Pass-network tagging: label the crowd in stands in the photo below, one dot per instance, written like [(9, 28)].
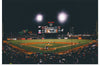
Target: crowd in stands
[(86, 55), (46, 36)]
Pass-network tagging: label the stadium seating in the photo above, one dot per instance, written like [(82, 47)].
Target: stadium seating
[(87, 55)]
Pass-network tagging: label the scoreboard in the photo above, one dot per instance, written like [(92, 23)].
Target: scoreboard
[(46, 29), (50, 29)]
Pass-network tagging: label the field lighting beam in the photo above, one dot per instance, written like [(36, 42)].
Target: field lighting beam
[(39, 18), (62, 17)]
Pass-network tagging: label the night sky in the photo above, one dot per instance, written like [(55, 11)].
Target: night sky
[(20, 14)]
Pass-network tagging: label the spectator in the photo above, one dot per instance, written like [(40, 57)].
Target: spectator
[(87, 55)]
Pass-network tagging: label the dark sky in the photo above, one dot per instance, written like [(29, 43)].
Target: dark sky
[(19, 14)]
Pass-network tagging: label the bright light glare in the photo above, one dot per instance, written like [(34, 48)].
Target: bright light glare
[(62, 17), (39, 17)]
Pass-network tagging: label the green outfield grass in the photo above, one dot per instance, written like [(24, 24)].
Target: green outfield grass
[(27, 48)]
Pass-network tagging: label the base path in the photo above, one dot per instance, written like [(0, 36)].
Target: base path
[(63, 46)]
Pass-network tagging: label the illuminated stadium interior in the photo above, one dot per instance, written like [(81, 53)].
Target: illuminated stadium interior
[(50, 32)]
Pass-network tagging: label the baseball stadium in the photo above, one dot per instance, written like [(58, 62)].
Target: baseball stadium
[(36, 35)]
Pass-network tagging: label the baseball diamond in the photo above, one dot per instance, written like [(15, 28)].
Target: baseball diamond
[(54, 45)]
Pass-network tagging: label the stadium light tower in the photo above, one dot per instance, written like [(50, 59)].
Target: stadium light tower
[(62, 17), (39, 18)]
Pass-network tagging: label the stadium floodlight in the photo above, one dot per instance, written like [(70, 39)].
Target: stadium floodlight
[(39, 18), (62, 17)]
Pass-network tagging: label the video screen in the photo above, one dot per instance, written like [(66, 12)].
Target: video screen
[(46, 29)]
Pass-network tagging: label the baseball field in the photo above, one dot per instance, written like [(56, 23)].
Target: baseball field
[(54, 45)]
